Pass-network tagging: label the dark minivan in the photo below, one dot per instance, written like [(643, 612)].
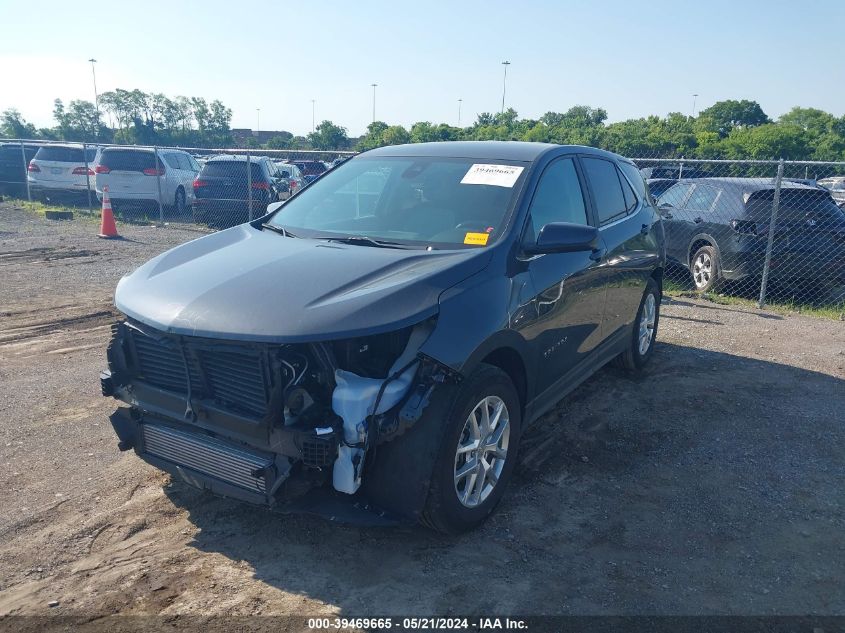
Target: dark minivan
[(223, 189), (718, 228), (373, 348)]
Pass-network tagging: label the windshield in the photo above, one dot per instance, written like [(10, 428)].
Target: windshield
[(417, 201)]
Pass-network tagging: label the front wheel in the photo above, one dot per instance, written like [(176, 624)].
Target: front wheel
[(644, 332), (477, 454)]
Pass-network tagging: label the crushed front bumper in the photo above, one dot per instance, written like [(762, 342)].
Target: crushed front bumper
[(230, 470)]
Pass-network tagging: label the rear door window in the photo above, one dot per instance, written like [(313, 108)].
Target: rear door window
[(128, 160), (635, 176), (185, 162), (675, 195), (607, 189), (703, 198), (628, 192), (171, 160)]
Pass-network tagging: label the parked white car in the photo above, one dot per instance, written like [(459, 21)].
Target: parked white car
[(134, 177), (60, 171)]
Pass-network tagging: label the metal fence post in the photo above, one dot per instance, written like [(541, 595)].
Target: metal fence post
[(87, 177), (249, 183), (158, 186), (772, 229), (26, 173)]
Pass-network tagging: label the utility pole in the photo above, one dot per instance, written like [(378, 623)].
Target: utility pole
[(313, 120), (460, 102), (504, 83), (96, 96), (374, 101), (257, 122)]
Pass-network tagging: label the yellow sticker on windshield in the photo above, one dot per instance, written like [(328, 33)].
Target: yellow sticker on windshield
[(476, 238)]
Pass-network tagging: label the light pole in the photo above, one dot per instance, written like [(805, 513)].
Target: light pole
[(460, 102), (504, 83), (313, 120), (694, 97), (257, 122), (374, 101), (94, 74)]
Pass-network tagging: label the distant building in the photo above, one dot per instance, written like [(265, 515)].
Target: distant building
[(240, 135)]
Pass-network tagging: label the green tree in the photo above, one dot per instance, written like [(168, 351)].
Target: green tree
[(769, 141), (80, 121), (13, 125), (328, 136), (727, 115), (374, 136), (281, 141), (395, 135)]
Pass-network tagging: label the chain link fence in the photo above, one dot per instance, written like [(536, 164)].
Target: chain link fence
[(215, 187), (765, 230), (771, 231)]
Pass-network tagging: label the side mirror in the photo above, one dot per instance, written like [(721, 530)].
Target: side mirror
[(564, 237)]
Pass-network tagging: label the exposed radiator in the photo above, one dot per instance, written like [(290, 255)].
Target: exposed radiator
[(206, 455), (236, 379)]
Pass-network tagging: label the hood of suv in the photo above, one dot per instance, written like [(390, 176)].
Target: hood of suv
[(251, 284)]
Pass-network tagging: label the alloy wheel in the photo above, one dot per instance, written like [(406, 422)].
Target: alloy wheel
[(702, 270), (482, 450), (647, 320)]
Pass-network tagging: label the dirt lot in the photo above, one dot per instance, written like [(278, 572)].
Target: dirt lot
[(713, 483)]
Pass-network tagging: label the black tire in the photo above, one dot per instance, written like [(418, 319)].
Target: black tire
[(705, 268), (179, 205), (633, 358), (444, 511)]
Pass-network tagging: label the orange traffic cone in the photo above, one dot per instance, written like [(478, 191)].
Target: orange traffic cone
[(108, 230)]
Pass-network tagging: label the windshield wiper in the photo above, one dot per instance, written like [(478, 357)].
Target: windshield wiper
[(278, 229), (363, 240)]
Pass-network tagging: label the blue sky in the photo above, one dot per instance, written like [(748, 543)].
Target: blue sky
[(631, 58)]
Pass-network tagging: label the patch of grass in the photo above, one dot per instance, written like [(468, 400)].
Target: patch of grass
[(39, 208), (834, 311)]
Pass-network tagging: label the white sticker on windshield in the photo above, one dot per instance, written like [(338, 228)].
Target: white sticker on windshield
[(498, 175)]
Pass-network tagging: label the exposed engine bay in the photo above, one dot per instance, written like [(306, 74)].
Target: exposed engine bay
[(266, 423)]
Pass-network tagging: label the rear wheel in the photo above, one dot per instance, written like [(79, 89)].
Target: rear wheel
[(645, 330), (179, 202), (477, 454), (704, 267)]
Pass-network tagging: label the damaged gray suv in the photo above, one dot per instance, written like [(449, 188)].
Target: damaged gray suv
[(372, 349)]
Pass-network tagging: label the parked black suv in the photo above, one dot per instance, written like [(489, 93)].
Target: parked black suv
[(718, 228), (13, 164), (222, 189), (376, 344)]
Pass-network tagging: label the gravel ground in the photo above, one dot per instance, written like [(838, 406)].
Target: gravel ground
[(709, 484)]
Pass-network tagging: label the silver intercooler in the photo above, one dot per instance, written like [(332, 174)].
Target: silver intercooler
[(207, 455)]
